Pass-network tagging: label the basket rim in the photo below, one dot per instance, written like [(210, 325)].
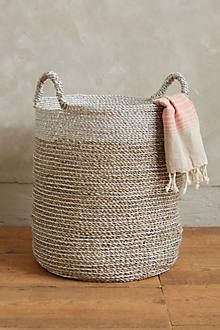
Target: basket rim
[(97, 101)]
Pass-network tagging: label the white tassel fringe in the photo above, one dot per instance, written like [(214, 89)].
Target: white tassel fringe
[(195, 176)]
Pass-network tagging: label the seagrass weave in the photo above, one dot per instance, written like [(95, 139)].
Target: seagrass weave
[(100, 210)]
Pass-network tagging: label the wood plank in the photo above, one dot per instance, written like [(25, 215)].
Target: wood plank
[(198, 262), (69, 328), (190, 277), (15, 240), (83, 307), (200, 236), (22, 269), (193, 304), (196, 327)]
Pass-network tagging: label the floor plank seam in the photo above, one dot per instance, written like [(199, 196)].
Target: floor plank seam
[(167, 310)]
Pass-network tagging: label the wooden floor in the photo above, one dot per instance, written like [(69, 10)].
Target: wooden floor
[(186, 297)]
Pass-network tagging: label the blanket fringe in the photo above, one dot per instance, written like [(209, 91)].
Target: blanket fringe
[(195, 176)]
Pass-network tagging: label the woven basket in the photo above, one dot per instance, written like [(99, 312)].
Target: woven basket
[(100, 210)]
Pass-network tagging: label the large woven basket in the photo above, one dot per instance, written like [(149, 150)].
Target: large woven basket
[(100, 210)]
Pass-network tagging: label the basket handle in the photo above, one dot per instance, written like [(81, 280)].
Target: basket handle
[(168, 81), (54, 78)]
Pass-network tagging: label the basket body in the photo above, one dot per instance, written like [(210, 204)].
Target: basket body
[(100, 210)]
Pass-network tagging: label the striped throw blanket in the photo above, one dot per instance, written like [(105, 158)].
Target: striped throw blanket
[(183, 144)]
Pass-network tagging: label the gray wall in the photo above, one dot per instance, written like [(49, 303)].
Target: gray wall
[(105, 46)]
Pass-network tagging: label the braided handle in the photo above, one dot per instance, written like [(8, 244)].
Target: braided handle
[(52, 76), (169, 80), (64, 105)]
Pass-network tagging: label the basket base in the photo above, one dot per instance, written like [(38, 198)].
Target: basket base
[(104, 278)]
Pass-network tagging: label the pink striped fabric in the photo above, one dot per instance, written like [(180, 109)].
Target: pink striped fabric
[(182, 141), (179, 113)]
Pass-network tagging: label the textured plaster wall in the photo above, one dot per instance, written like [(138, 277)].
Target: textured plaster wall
[(104, 46)]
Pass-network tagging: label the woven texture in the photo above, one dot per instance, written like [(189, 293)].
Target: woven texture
[(100, 210)]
